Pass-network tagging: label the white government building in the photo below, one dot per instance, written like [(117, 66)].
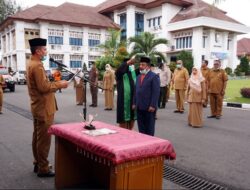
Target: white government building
[(73, 31)]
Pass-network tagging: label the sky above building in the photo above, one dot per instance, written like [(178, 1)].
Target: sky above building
[(239, 10)]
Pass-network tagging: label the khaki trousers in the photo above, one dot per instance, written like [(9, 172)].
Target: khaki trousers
[(180, 98), (216, 103), (80, 95), (94, 91), (1, 98), (41, 143)]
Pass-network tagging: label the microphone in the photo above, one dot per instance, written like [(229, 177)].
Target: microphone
[(56, 62)]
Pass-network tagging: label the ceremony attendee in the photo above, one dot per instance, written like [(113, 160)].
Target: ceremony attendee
[(43, 105), (108, 85), (196, 95), (217, 83), (1, 92), (125, 81), (93, 78), (79, 87), (179, 83), (165, 75), (168, 89), (205, 70), (57, 77), (146, 97)]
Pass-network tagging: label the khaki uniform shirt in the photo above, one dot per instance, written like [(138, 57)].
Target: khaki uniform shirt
[(216, 80), (180, 78), (41, 90), (205, 72)]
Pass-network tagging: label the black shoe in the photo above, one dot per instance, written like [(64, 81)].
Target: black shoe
[(48, 174), (94, 106), (181, 111), (217, 117), (211, 116), (1, 112), (35, 170), (91, 105), (176, 111)]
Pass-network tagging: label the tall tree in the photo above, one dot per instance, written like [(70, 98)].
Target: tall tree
[(146, 44), (7, 8)]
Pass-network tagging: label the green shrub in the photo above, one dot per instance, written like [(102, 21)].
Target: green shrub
[(228, 70), (187, 58)]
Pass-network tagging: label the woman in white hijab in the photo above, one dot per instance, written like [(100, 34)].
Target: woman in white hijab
[(196, 95), (108, 85)]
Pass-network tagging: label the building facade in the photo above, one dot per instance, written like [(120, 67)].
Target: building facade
[(191, 25)]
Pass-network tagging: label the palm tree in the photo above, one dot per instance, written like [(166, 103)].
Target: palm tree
[(112, 44), (146, 44)]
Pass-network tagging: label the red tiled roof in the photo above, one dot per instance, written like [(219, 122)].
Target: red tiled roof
[(79, 15), (67, 13), (201, 9), (33, 12), (110, 5), (243, 47)]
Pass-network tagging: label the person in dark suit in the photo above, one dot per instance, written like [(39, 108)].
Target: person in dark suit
[(146, 97)]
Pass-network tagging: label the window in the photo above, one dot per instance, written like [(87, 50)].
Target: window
[(76, 61), (217, 37), (93, 43), (123, 24), (155, 21), (75, 41), (228, 44), (159, 20), (204, 41), (139, 23), (75, 38), (56, 57), (149, 23), (183, 40), (55, 36)]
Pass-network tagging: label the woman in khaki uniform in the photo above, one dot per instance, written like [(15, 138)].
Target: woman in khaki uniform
[(196, 96), (80, 91), (1, 93), (108, 85)]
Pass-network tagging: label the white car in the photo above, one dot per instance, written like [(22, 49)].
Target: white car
[(20, 77)]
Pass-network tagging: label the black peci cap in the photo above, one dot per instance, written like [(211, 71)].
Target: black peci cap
[(145, 59), (37, 42)]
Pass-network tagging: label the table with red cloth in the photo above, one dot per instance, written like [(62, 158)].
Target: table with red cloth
[(123, 160)]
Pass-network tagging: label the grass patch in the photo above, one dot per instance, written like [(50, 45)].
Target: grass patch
[(233, 91)]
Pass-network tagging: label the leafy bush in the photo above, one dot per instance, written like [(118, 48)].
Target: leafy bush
[(172, 66), (245, 92), (244, 64), (187, 59), (238, 70), (228, 70)]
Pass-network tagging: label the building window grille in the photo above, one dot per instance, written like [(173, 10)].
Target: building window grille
[(76, 61), (55, 36)]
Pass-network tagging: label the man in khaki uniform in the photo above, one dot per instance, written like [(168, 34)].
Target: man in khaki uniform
[(43, 105), (80, 89), (93, 78), (205, 70), (179, 83), (217, 82), (1, 92)]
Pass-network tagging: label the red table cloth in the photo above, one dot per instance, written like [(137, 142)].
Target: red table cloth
[(123, 146)]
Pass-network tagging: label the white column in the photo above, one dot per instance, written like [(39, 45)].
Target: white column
[(86, 45), (116, 17), (233, 60), (130, 21), (66, 49), (211, 42), (11, 42), (197, 45), (20, 45)]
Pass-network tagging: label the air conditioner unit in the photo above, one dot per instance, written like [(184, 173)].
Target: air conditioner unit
[(155, 27), (53, 47), (172, 48)]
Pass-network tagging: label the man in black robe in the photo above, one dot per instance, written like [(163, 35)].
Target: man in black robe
[(126, 78)]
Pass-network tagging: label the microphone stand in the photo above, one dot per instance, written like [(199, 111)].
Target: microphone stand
[(85, 80)]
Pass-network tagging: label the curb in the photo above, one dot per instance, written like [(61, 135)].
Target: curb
[(236, 105)]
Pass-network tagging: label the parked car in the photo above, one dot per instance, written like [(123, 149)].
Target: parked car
[(49, 75), (20, 77), (9, 80)]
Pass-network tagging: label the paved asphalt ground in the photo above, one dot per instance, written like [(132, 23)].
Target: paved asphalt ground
[(218, 152)]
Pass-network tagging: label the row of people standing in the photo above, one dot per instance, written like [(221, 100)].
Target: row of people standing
[(202, 83)]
